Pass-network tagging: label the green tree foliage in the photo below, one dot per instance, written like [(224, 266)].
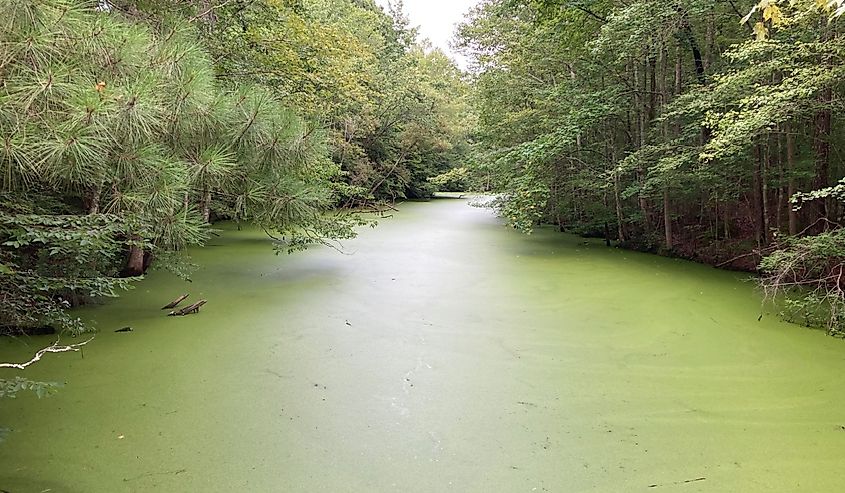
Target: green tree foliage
[(132, 125), (128, 127), (395, 111), (702, 129), (120, 143)]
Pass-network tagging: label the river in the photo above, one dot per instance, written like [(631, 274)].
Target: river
[(441, 352)]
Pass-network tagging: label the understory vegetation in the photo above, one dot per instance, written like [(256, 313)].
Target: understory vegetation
[(709, 130)]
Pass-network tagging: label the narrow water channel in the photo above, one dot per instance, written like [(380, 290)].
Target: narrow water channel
[(443, 352)]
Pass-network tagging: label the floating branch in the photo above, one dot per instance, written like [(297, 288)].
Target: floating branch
[(195, 308), (175, 302), (53, 348)]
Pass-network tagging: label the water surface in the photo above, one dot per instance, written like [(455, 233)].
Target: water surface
[(442, 353)]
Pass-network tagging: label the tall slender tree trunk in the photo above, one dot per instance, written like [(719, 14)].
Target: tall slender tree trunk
[(652, 100), (757, 197), (790, 169), (572, 78), (667, 209), (781, 189), (640, 104), (821, 148), (620, 224), (716, 218), (667, 218), (709, 37), (766, 166)]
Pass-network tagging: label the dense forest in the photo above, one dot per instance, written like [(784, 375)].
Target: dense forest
[(129, 126), (158, 151), (708, 130)]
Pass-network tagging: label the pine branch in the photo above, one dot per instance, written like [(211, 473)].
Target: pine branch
[(209, 10)]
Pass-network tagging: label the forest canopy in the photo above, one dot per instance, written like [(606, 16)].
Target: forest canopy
[(701, 129), (708, 129), (128, 127)]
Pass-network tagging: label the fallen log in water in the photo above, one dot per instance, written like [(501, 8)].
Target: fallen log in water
[(195, 308), (175, 302)]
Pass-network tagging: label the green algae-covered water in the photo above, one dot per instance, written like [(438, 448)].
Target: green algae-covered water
[(443, 353)]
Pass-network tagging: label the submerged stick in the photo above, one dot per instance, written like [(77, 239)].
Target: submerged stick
[(195, 308), (175, 302)]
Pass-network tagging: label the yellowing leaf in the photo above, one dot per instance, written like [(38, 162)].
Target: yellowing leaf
[(760, 31), (772, 13)]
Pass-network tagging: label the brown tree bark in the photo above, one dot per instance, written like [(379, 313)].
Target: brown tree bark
[(757, 197), (620, 224), (821, 150), (135, 262), (667, 209), (790, 188), (642, 112), (206, 206), (91, 201)]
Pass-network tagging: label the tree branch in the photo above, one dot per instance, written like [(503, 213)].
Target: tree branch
[(588, 12), (53, 348), (208, 10)]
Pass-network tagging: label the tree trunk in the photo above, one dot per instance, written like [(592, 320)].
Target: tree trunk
[(781, 192), (709, 36), (667, 210), (206, 206), (821, 149), (757, 197), (716, 219), (641, 105), (620, 225), (790, 165), (572, 78), (92, 201), (652, 100), (667, 218), (764, 188), (135, 263)]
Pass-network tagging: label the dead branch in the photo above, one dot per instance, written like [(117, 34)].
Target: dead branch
[(195, 308), (209, 10), (175, 303), (817, 221), (730, 261), (53, 348)]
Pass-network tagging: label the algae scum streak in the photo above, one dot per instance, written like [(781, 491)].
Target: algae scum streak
[(444, 353)]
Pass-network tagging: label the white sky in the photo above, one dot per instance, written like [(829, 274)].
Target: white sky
[(437, 20)]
